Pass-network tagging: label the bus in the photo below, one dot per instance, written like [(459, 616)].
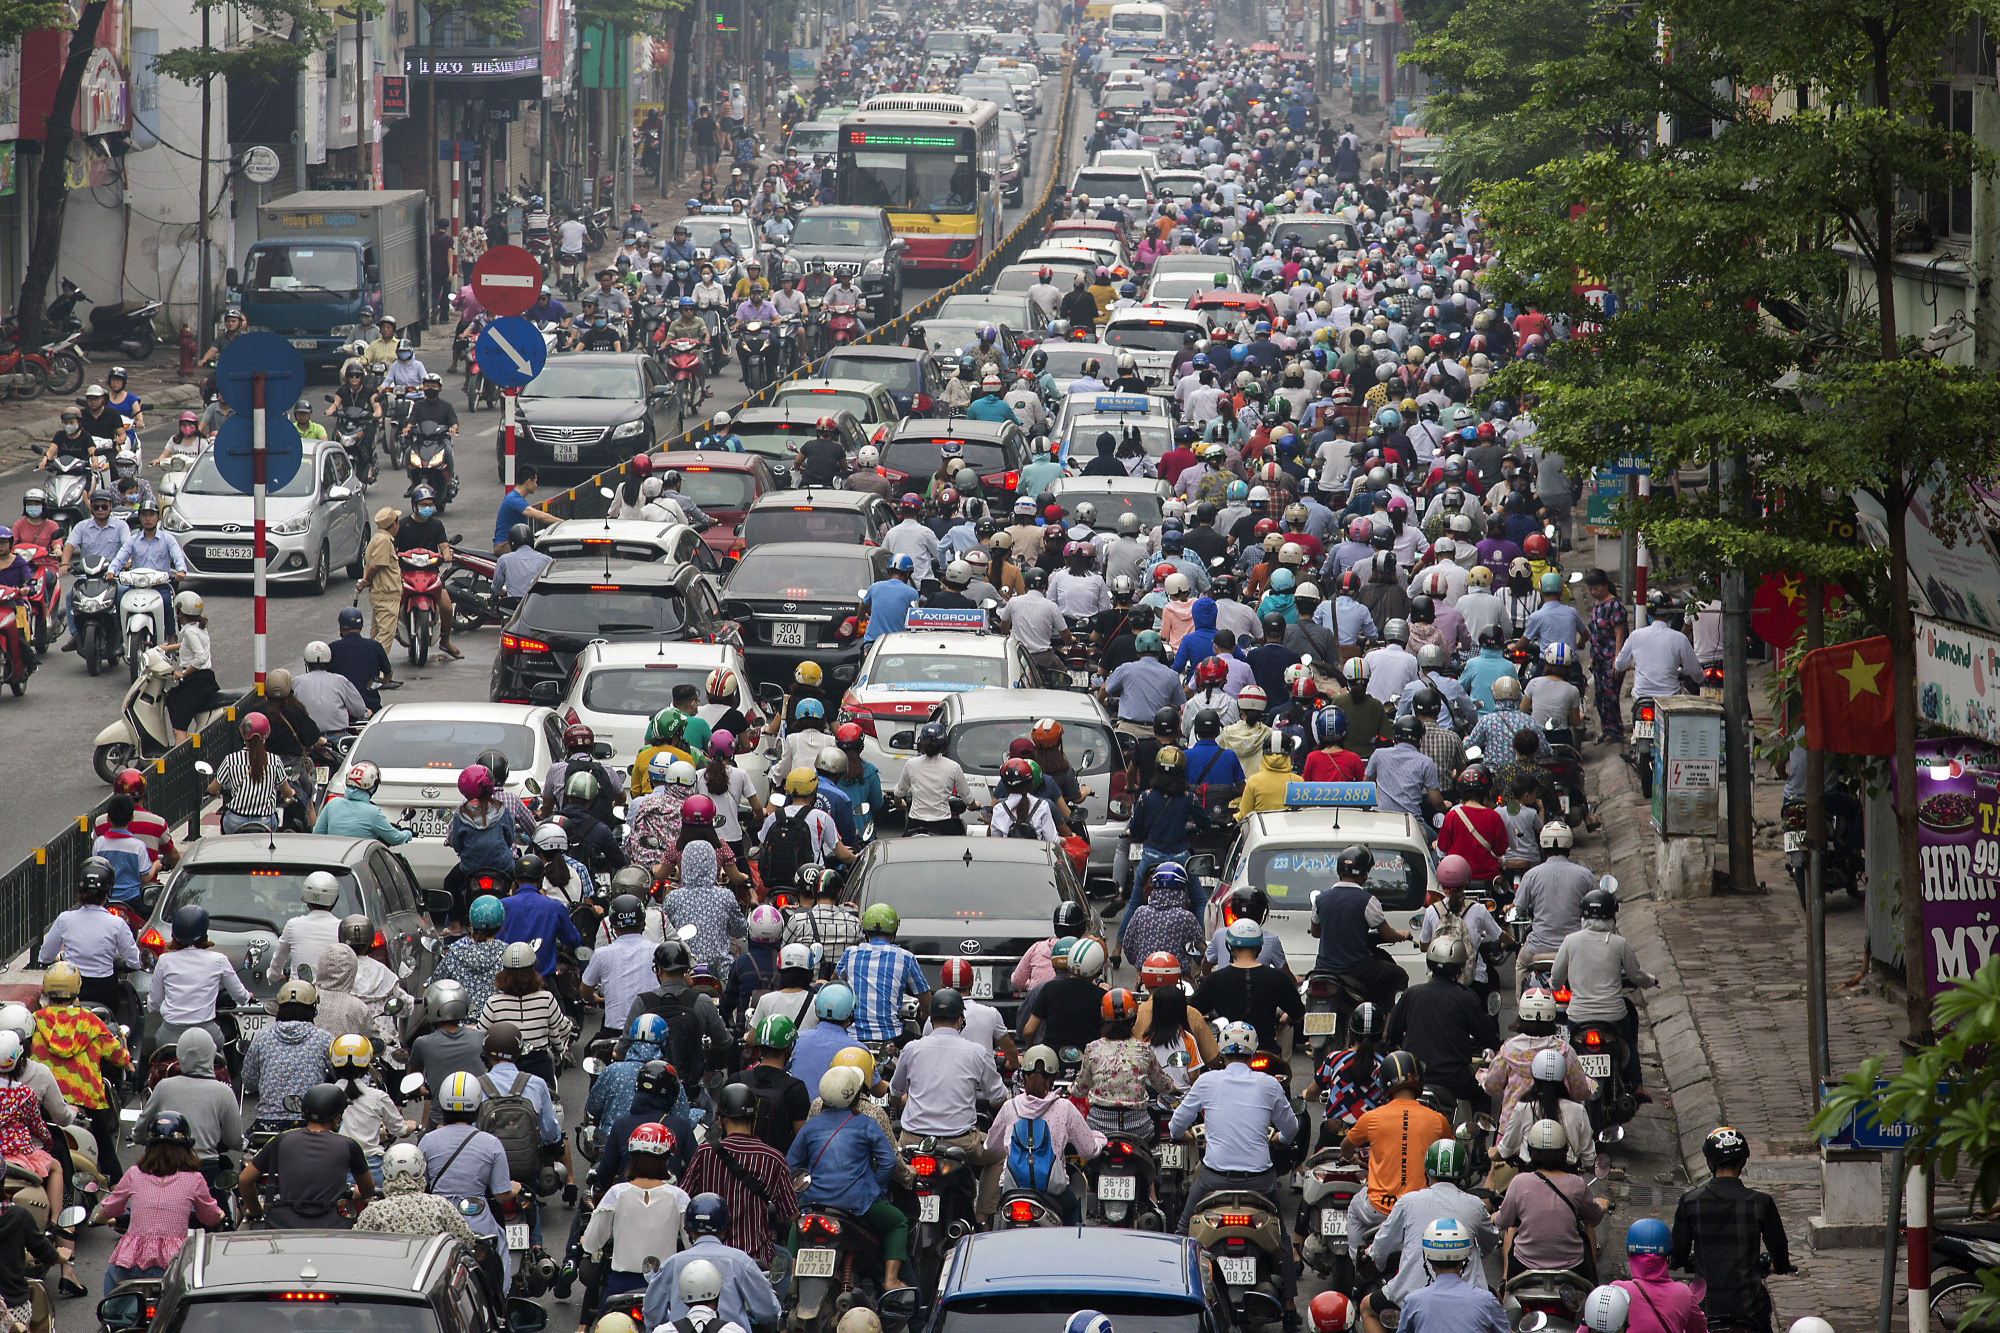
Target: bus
[(1138, 25), (933, 163)]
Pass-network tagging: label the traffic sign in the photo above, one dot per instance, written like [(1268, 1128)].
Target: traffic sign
[(507, 279), (511, 352), (1862, 1130), (247, 355), (283, 451)]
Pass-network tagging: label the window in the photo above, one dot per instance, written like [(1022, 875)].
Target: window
[(145, 88), (395, 893), (1950, 211)]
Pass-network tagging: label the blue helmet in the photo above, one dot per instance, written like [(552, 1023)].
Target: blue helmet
[(902, 564), (1170, 874), (813, 707), (486, 913), (1329, 723), (1239, 355), (1648, 1235), (648, 1028), (350, 617), (1281, 580), (835, 1002), (687, 303), (1088, 1321), (1200, 361), (1263, 327), (707, 1215)]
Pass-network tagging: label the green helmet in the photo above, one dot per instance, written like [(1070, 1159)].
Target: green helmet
[(486, 913), (581, 787), (881, 919), (1149, 641), (1059, 951), (776, 1033), (1221, 280), (1035, 768), (1446, 1159), (665, 728)]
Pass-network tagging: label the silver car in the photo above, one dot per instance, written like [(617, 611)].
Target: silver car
[(315, 522)]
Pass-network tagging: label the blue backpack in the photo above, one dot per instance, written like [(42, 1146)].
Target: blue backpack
[(1031, 1154)]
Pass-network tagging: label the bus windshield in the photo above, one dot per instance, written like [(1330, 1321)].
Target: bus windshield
[(923, 181)]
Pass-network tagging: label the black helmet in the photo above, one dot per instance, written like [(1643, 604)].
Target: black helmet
[(1208, 723), (1725, 1147), (169, 1127), (190, 924), (1427, 702), (1250, 901), (1408, 729), (736, 1102), (1071, 918), (324, 1103), (658, 1078), (671, 956), (708, 1214), (1039, 361), (1492, 637), (947, 1006), (1423, 610), (627, 913), (98, 879), (1600, 903), (1205, 512), (1475, 782), (495, 764), (1035, 577), (1354, 863), (529, 868), (1167, 718), (1399, 1069), (517, 536), (1367, 1020), (933, 733)]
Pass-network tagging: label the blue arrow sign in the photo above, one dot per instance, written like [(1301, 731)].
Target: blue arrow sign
[(283, 451), (249, 354), (511, 352)]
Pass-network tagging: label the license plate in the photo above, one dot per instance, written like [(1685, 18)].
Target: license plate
[(1238, 1272), (1332, 1222), (1322, 1024), (788, 634), (517, 1235), (320, 774), (306, 344), (1119, 1189), (1642, 731), (1564, 798), (1079, 679), (1795, 840), (814, 1263), (1173, 1157), (430, 823), (232, 553), (982, 983), (565, 453), (927, 1207), (1597, 1066), (250, 1022)]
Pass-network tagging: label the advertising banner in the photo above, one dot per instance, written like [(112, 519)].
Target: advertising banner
[(1958, 837)]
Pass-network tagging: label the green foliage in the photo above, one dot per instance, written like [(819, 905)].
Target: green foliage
[(18, 18), (306, 25), (1959, 1127)]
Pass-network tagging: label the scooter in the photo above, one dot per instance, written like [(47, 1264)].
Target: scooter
[(1330, 1186), (144, 730), (17, 658), (684, 373), (417, 620), (93, 600), (1555, 1295), (144, 612), (787, 332), (944, 1213), (473, 603), (1119, 1181), (839, 1265), (1842, 868), (753, 349), (1241, 1230), (1564, 767), (843, 324), (125, 328), (355, 426), (44, 591), (1640, 753), (426, 463), (69, 490)]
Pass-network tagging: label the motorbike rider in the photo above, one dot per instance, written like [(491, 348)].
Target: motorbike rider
[(1406, 1232), (37, 528), (1448, 1303), (849, 1159), (1068, 1130), (1470, 921), (314, 1164), (1343, 915), (101, 536), (307, 934), (1544, 1100), (1663, 1305), (1596, 964), (720, 1237), (422, 530), (843, 292), (599, 333), (687, 325), (1249, 1108), (150, 548), (465, 1161), (1397, 1134), (405, 1207), (1539, 1231), (939, 1084), (1552, 893)]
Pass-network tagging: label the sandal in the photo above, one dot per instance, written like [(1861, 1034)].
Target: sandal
[(450, 651)]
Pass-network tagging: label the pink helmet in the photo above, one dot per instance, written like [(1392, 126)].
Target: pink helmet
[(721, 745), (254, 724), (1454, 872), (698, 811), (766, 924), (475, 783)]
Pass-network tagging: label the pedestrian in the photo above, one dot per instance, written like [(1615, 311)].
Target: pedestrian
[(382, 578), (1607, 637)]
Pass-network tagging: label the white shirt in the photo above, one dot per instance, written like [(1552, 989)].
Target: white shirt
[(826, 836), (1390, 670), (303, 940), (93, 938), (640, 1224), (1658, 655), (945, 1076), (195, 654), (928, 782), (186, 983), (620, 970)]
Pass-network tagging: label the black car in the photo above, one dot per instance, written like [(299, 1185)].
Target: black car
[(997, 451), (857, 244), (575, 601), (799, 602), (985, 900), (587, 411), (908, 373)]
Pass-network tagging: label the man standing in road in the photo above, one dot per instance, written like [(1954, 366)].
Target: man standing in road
[(382, 578), (515, 507)]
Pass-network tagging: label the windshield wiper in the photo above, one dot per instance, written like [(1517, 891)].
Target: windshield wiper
[(625, 627)]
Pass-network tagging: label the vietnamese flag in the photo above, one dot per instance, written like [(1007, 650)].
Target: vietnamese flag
[(1778, 609), (1849, 698)]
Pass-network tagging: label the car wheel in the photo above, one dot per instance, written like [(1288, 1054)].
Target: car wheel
[(322, 571), (359, 564)]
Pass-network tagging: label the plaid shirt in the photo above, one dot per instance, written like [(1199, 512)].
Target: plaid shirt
[(1718, 1230), (749, 1215), (1443, 747), (1345, 1098), (826, 924), (879, 971)]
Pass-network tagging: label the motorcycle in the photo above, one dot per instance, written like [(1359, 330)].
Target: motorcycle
[(479, 391), (839, 1265), (69, 488), (1330, 1186), (25, 374), (787, 357), (1842, 869), (718, 337), (417, 618), (65, 363), (1564, 766), (427, 465), (94, 602), (125, 328), (473, 602), (44, 595), (1120, 1180), (754, 350), (144, 611), (1242, 1231), (355, 428), (945, 1187), (17, 657), (144, 730), (684, 373), (1555, 1295), (569, 276), (843, 324), (1640, 753), (1174, 1162), (1330, 999), (1960, 1248)]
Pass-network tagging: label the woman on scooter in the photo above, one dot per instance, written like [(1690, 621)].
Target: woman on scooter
[(250, 782), (1544, 1100), (482, 832), (24, 1137), (1169, 1026), (159, 1194), (1347, 1079), (1120, 1074), (195, 690)]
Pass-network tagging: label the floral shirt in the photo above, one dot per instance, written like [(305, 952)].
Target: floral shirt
[(653, 825), (1509, 1075), (1160, 928), (1120, 1073), (1606, 619), (406, 1210), (285, 1060), (22, 1129), (473, 964), (1495, 732), (71, 1041)]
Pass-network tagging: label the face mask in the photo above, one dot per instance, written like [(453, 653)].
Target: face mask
[(425, 511), (597, 323), (72, 427), (34, 511), (432, 393), (405, 356)]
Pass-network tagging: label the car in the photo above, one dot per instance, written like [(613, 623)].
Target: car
[(1159, 128), (1222, 310), (316, 521), (1139, 159), (705, 232), (1066, 358), (999, 90), (1079, 434), (1050, 49), (857, 243), (1022, 1279), (1123, 102), (574, 601), (1001, 308), (1020, 73), (1154, 336), (1103, 250), (801, 602), (816, 514), (1179, 185), (420, 748), (251, 887), (812, 138), (1312, 230), (724, 486), (985, 900), (1206, 266), (981, 724), (1068, 261), (616, 688), (873, 406), (1110, 234), (378, 1280), (906, 674), (1014, 123), (589, 411), (777, 432), (908, 373), (1013, 166), (944, 337), (1173, 291), (1290, 854), (622, 539), (1112, 497), (997, 451), (1125, 409)]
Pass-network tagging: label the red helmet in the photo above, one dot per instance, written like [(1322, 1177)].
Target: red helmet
[(1350, 581), (1160, 969), (1119, 1006), (576, 737), (1485, 431), (1045, 273), (1436, 343), (642, 463), (827, 426), (1053, 513), (848, 736), (1210, 672), (1305, 688), (1264, 527), (1017, 775), (698, 812), (956, 974), (1161, 570), (129, 782), (911, 500), (946, 497), (1046, 734), (650, 1137), (1330, 1312), (1536, 547)]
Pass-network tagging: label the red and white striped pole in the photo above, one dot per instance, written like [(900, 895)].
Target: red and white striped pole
[(1640, 559), (1917, 1225), (259, 420)]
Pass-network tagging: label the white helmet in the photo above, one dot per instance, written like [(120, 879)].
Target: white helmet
[(680, 773), (460, 1094), (318, 654), (1177, 584), (1236, 1039), (839, 1086), (364, 776), (1549, 1067), (701, 1283), (831, 761), (767, 923), (321, 890), (795, 955), (1128, 523), (18, 1019), (518, 954), (868, 456), (1086, 957), (405, 1161), (1812, 1323), (1536, 1006), (1556, 836), (12, 1052), (189, 603), (1605, 1309), (720, 421), (1548, 1136)]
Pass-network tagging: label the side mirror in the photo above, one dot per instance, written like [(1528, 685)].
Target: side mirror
[(230, 278), (412, 1084), (1416, 922), (338, 493), (592, 1066), (903, 740), (524, 1316), (601, 750), (1202, 866), (607, 492), (899, 1306), (438, 903), (545, 693), (769, 693), (125, 1310), (1609, 883), (304, 972), (371, 273), (204, 768), (73, 1217)]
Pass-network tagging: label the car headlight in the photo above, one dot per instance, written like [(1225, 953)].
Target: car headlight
[(872, 269), (294, 526), (629, 429), (343, 330), (171, 520)]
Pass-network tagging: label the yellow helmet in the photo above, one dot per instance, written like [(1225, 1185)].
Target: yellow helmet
[(807, 673), (801, 782), (854, 1057), (351, 1050), (62, 981)]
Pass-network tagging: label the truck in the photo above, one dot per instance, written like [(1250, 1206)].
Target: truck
[(324, 256)]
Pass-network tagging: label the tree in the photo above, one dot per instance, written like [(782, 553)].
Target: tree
[(51, 184)]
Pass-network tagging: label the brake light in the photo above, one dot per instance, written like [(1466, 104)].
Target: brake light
[(514, 643), (924, 1166), (1319, 987), (1020, 1210), (1235, 1220), (922, 402), (826, 1226), (848, 628), (570, 718), (487, 883), (1593, 1038), (1261, 1063), (1645, 712), (151, 941), (1562, 996), (1120, 1151), (302, 1296)]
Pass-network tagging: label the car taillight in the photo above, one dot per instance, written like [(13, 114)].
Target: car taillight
[(736, 549), (514, 643), (861, 718), (922, 403), (1020, 1211), (151, 941), (848, 628), (923, 1166)]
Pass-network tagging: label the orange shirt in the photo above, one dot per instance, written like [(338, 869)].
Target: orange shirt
[(1398, 1134)]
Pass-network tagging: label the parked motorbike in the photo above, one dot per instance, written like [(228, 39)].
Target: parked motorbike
[(125, 328), (144, 612), (1960, 1248), (24, 374), (1842, 867), (65, 363), (426, 465), (1640, 753), (417, 618)]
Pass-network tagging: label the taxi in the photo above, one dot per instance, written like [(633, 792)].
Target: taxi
[(1221, 310), (1118, 409), (1154, 335), (908, 673)]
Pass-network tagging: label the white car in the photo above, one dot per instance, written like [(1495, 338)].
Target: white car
[(617, 688), (421, 748), (1113, 496), (1079, 434), (1126, 408), (624, 539), (1153, 335), (909, 672), (1172, 291)]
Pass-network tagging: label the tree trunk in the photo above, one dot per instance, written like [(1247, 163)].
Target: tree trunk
[(673, 130), (50, 184), (1903, 658)]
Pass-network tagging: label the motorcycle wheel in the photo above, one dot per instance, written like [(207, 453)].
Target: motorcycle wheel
[(87, 649), (471, 394), (135, 648), (1645, 770), (1950, 1298), (19, 687), (147, 340), (37, 382), (420, 638), (42, 632), (65, 373)]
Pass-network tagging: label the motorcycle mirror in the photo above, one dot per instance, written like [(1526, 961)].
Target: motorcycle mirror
[(393, 1005), (607, 492), (204, 768), (305, 972), (469, 1207), (583, 953), (412, 1084), (592, 1066), (898, 1306), (686, 934), (1609, 883), (72, 1217)]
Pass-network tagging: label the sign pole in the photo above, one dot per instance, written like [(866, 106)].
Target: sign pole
[(1917, 1223), (259, 417), (507, 397)]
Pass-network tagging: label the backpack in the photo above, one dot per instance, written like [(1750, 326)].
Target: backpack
[(511, 1118), (1023, 817), (1031, 1154), (683, 1048), (788, 847), (770, 1118)]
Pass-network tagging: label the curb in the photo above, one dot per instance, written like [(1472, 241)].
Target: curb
[(33, 437)]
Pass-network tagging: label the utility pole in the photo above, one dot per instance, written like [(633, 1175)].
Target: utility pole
[(363, 131), (1736, 693), (204, 311), (1816, 870)]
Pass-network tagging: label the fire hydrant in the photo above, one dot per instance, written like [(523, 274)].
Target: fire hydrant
[(188, 350)]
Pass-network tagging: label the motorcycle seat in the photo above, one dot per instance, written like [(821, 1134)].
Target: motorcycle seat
[(1556, 1279), (117, 311)]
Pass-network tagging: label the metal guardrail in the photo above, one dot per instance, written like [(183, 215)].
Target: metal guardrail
[(43, 884), (586, 502)]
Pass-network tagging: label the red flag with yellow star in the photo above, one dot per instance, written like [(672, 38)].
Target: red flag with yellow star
[(1778, 609), (1849, 704)]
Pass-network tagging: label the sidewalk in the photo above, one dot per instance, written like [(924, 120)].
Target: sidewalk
[(27, 427)]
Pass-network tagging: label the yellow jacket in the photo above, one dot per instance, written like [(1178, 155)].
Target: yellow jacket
[(1265, 789), (642, 781)]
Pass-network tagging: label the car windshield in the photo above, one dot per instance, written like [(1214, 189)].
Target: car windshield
[(830, 401), (963, 891), (639, 691), (1099, 181), (1016, 279), (715, 489), (1291, 875), (1110, 504), (205, 478), (947, 41), (259, 897), (1150, 336), (443, 743), (1049, 41), (813, 139), (950, 335), (1124, 97), (1030, 1313), (1179, 187), (270, 1312), (1066, 358), (803, 524), (588, 379), (898, 374), (304, 273), (1180, 286), (1312, 235), (840, 230), (1160, 127), (832, 576), (1155, 437), (920, 457), (985, 308), (602, 610), (922, 669), (774, 439), (981, 747)]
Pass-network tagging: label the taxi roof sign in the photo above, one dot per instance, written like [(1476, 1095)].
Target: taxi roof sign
[(1330, 795), (1122, 402), (942, 618)]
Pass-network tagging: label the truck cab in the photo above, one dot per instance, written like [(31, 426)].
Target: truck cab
[(322, 257)]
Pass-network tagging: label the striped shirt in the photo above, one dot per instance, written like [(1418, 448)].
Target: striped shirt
[(244, 796), (542, 1023), (880, 972), (749, 1227)]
